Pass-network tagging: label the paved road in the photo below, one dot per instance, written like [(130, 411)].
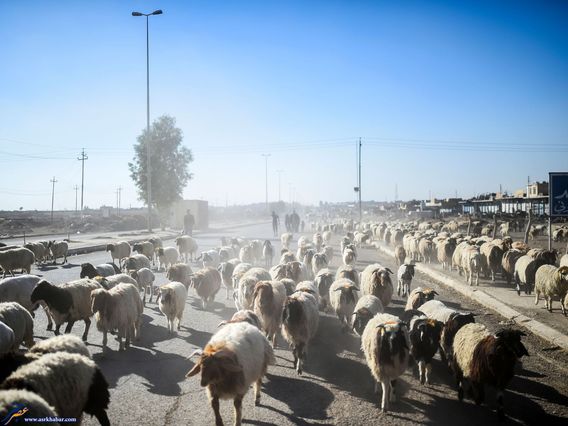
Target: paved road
[(149, 386)]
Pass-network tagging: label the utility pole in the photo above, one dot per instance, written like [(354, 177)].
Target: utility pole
[(359, 185), (266, 176), (279, 187), (119, 198), (76, 188), (82, 159), (52, 196)]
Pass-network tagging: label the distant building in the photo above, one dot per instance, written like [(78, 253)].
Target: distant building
[(537, 189), (199, 210)]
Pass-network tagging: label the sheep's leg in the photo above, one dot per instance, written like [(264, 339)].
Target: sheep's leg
[(300, 350), (69, 327), (179, 321), (536, 297), (428, 372), (421, 371), (105, 340), (48, 315), (120, 336), (500, 410), (57, 327), (398, 288), (215, 406), (460, 390), (257, 386), (238, 402), (563, 306), (385, 401), (87, 326)]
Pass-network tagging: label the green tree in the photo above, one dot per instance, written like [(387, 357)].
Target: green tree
[(169, 164)]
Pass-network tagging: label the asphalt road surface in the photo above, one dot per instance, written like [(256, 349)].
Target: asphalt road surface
[(148, 384)]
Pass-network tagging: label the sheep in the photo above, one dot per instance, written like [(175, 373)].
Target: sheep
[(375, 280), (19, 289), (267, 253), (349, 272), (345, 241), (119, 250), (146, 248), (103, 270), (343, 298), (68, 302), (256, 247), (326, 236), (64, 343), (309, 287), (18, 318), (300, 318), (437, 310), (7, 339), (525, 271), (23, 400), (323, 281), (156, 242), (551, 282), (246, 255), (226, 270), (424, 335), (40, 251), (286, 239), (564, 260), (328, 251), (419, 296), (510, 258), (317, 241), (399, 255), (136, 262), (446, 250), (16, 258), (319, 261), (172, 303), (209, 258), (58, 249), (471, 263), (180, 272), (187, 247), (290, 286), (71, 383), (145, 281), (268, 301), (386, 346), (238, 272), (112, 280), (485, 359), (244, 315), (366, 308), (492, 255), (237, 356), (207, 282), (404, 276), (349, 256), (287, 256), (426, 249)]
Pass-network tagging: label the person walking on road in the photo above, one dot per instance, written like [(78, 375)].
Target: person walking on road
[(188, 222), (275, 223)]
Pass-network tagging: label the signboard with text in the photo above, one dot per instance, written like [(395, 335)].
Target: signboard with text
[(558, 194)]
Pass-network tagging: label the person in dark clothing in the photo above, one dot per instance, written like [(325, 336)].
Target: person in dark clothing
[(287, 222), (188, 222), (275, 223)]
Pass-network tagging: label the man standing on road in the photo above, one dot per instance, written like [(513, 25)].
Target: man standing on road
[(275, 223), (188, 222)]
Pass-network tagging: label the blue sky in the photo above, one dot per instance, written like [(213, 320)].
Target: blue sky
[(447, 96)]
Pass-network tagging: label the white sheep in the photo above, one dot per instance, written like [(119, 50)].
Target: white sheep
[(404, 277), (64, 343), (418, 297), (349, 272), (309, 287), (145, 279), (564, 260), (375, 280), (16, 317), (19, 289), (386, 346), (119, 308), (238, 272), (268, 302), (58, 249), (286, 239), (113, 280), (246, 284), (366, 308), (146, 248), (246, 255), (71, 383), (300, 318), (323, 281), (210, 258), (552, 283), (343, 298), (7, 339), (244, 315), (119, 250), (136, 262), (238, 347), (16, 258), (172, 303), (349, 256), (180, 272), (207, 283), (187, 247), (68, 302), (437, 310), (319, 261)]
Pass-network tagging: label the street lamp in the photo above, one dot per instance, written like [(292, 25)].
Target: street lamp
[(148, 163)]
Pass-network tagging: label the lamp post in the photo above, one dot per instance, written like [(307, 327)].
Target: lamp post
[(148, 163)]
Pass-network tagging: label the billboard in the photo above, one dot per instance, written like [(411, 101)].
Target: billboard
[(558, 194)]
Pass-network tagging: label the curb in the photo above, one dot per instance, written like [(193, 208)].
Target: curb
[(542, 330)]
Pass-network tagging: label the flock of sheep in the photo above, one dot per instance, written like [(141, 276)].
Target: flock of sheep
[(284, 299)]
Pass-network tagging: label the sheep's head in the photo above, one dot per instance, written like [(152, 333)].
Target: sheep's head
[(382, 276), (348, 293), (293, 270), (512, 341), (42, 290), (429, 331), (109, 247), (88, 270), (99, 300), (360, 320), (320, 259), (392, 341), (160, 251), (216, 365), (429, 294), (562, 273)]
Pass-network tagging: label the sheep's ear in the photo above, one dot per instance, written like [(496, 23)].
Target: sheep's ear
[(228, 361), (388, 270), (195, 370)]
